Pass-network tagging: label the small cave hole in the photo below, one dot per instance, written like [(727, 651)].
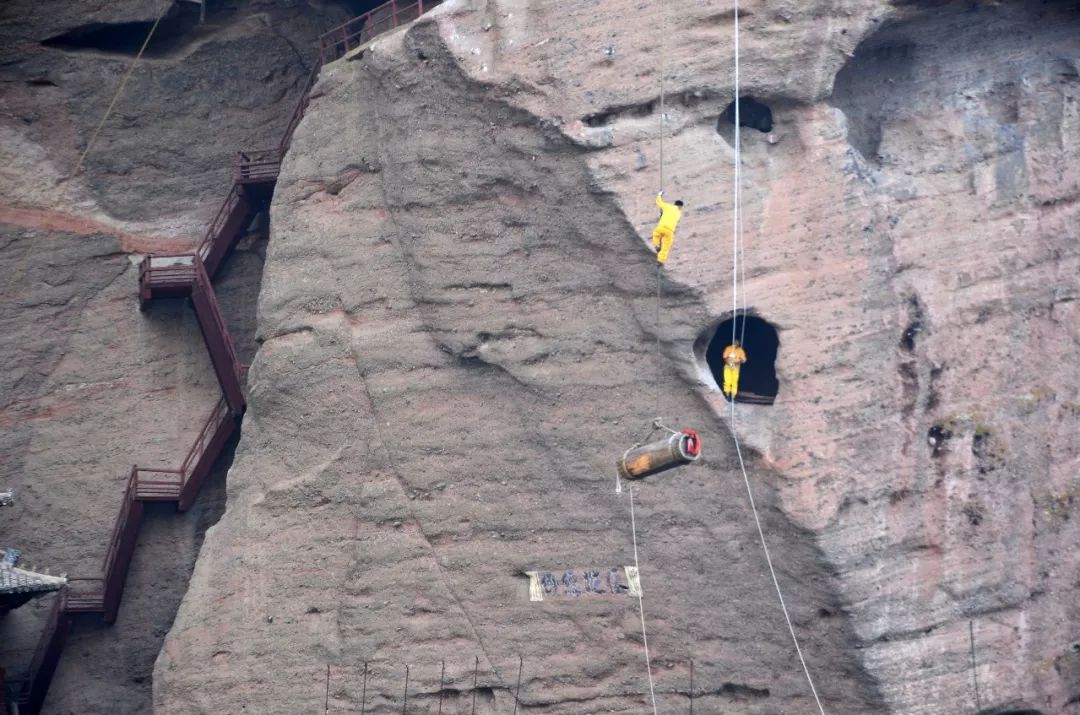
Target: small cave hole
[(907, 340), (758, 384), (937, 436), (752, 113)]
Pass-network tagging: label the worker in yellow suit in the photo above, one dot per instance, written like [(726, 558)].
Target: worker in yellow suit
[(664, 233), (734, 357)]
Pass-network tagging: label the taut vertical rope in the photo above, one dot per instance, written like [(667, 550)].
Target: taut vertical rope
[(641, 604), (663, 119), (974, 675), (735, 213), (736, 245)]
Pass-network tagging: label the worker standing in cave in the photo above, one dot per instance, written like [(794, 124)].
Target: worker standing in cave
[(664, 233), (734, 357)]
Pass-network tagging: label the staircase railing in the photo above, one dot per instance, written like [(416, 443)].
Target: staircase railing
[(362, 29), (299, 109), (121, 546), (254, 166), (119, 527), (151, 483), (46, 656), (219, 221), (167, 269), (176, 273), (219, 414), (202, 282)]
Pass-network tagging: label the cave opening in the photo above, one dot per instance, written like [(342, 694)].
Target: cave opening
[(900, 87), (354, 8), (752, 113), (126, 38), (758, 384)]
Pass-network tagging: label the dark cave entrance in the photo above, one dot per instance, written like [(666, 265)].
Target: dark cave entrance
[(126, 38), (354, 8), (752, 113), (758, 384), (904, 76)]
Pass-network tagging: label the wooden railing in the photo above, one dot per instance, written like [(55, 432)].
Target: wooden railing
[(208, 446), (46, 657), (338, 42), (218, 415), (218, 341), (158, 484), (217, 225), (159, 270), (203, 281), (84, 595), (257, 166), (121, 547), (175, 275), (299, 109)]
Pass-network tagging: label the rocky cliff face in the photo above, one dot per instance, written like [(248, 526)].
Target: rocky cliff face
[(90, 386), (457, 327), (457, 338)]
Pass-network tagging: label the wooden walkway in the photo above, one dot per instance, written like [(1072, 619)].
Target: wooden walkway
[(190, 275)]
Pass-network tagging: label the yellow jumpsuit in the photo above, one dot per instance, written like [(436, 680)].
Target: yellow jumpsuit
[(734, 357), (664, 233)]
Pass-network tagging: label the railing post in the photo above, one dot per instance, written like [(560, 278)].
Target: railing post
[(345, 37), (393, 13), (419, 8)]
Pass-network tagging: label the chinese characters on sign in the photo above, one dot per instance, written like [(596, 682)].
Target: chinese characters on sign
[(584, 583)]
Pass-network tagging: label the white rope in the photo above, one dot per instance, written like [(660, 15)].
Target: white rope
[(768, 560), (659, 296), (737, 266), (735, 218), (641, 604)]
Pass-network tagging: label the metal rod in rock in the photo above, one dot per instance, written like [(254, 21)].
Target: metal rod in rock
[(363, 695), (442, 678), (326, 704), (405, 700), (517, 690), (476, 668), (974, 675)]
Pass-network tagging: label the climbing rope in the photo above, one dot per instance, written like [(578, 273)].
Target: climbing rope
[(742, 256), (641, 604), (119, 91), (735, 198), (656, 423), (659, 267), (738, 270), (768, 560)]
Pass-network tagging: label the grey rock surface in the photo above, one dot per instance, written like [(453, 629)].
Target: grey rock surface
[(458, 326), (91, 386), (457, 337)]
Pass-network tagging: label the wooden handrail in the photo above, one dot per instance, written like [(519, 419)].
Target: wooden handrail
[(255, 165), (217, 416), (300, 108), (360, 29), (202, 280), (118, 527), (219, 220)]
